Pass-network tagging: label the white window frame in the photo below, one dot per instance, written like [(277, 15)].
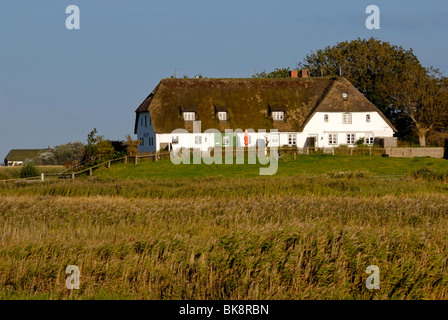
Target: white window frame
[(197, 140), (333, 138), (350, 138), (225, 141), (292, 139), (369, 139), (275, 140), (222, 115), (326, 117), (175, 140), (278, 115), (189, 116), (368, 118), (346, 118)]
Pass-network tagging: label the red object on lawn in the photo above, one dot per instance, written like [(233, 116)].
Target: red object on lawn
[(246, 138)]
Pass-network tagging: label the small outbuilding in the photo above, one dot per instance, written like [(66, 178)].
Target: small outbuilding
[(16, 157)]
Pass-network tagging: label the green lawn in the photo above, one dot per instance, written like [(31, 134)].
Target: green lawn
[(287, 166)]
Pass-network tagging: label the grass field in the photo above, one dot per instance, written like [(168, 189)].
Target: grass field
[(14, 172), (159, 231)]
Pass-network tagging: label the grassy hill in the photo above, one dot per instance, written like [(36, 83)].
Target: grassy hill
[(312, 164)]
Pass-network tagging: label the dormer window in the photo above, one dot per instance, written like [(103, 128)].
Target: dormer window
[(326, 118), (189, 116), (222, 115), (346, 118), (278, 115), (345, 95), (368, 118)]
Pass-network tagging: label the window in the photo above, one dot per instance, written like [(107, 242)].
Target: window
[(369, 139), (368, 118), (225, 141), (197, 139), (222, 115), (350, 138), (346, 118), (142, 141), (175, 140), (345, 95), (332, 138), (278, 115), (146, 121), (292, 139), (326, 118), (189, 116), (274, 140)]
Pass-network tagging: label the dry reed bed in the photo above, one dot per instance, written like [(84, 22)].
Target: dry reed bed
[(253, 246)]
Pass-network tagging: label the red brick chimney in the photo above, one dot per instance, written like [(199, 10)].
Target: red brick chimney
[(294, 73), (304, 73)]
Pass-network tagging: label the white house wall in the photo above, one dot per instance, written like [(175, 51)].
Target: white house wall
[(359, 126), (316, 127), (208, 140)]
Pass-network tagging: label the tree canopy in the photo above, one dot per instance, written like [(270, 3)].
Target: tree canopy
[(390, 76)]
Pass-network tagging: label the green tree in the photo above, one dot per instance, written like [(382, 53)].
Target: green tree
[(69, 153), (277, 73), (421, 96), (370, 65), (389, 76), (29, 170), (131, 145), (97, 149)]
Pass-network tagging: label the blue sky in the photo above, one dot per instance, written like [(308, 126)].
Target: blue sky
[(56, 85)]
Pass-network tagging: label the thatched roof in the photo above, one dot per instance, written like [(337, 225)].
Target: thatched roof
[(249, 102), (23, 154)]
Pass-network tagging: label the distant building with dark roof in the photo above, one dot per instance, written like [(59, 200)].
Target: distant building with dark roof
[(16, 157), (319, 112)]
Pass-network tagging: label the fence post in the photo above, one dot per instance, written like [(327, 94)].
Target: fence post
[(42, 175), (108, 164), (73, 175), (90, 172), (294, 155), (156, 157), (307, 150), (333, 150), (126, 159), (136, 160), (351, 151), (370, 151)]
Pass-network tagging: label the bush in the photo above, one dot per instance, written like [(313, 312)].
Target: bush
[(29, 170), (69, 153), (430, 174)]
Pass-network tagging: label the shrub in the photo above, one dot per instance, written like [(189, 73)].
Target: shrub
[(29, 170)]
